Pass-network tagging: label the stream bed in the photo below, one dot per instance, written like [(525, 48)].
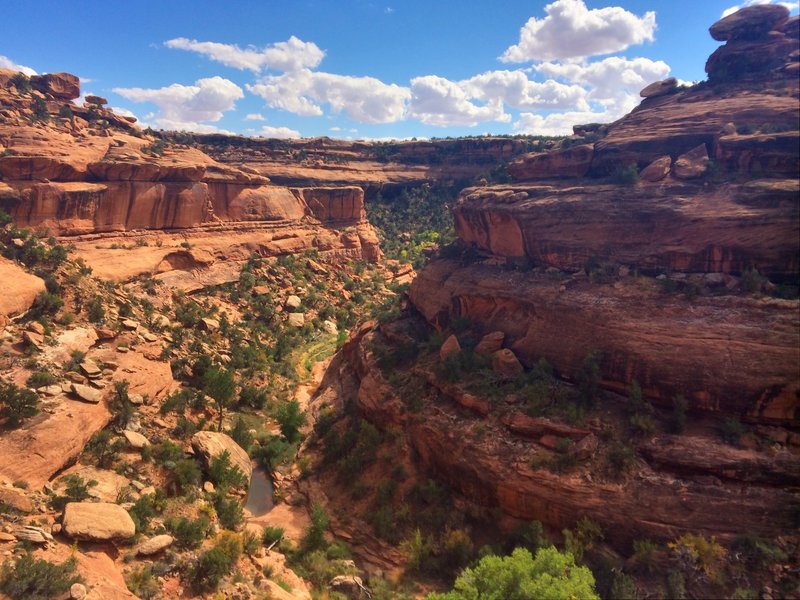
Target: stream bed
[(259, 496)]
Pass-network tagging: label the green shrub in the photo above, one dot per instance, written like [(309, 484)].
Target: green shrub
[(644, 554), (676, 585), (732, 430), (145, 508), (104, 449), (620, 459), (623, 587), (22, 82), (270, 535), (189, 533), (627, 175), (40, 379), (37, 579), (185, 475), (757, 551), (17, 404), (314, 537), (142, 582), (225, 475), (229, 511), (677, 420), (290, 419), (95, 311)]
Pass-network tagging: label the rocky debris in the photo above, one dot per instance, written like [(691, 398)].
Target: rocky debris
[(210, 444), (749, 23), (77, 591), (135, 440), (155, 545), (97, 522), (36, 327), (63, 86), (296, 319), (585, 448), (161, 322), (209, 324), (293, 302), (329, 327), (505, 362), (660, 88), (656, 170), (105, 333), (33, 339), (692, 164), (130, 324), (7, 537), (86, 393), (13, 498), (32, 534), (534, 427), (490, 343), (450, 346)]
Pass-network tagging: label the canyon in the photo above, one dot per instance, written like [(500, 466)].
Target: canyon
[(613, 336)]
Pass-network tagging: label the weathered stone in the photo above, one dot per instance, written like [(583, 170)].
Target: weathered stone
[(90, 368), (571, 162), (296, 319), (97, 521), (749, 23), (155, 545), (348, 585), (105, 333), (92, 99), (36, 327), (656, 170), (330, 327), (293, 302), (35, 535), (211, 444), (64, 86), (490, 343), (208, 324), (15, 499), (86, 393), (693, 164), (33, 339), (450, 346), (161, 321), (660, 88), (50, 390), (208, 487), (130, 324), (505, 362), (585, 448), (77, 591), (136, 440)]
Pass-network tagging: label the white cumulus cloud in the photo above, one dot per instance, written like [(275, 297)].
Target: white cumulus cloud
[(183, 107), (363, 99), (7, 63), (255, 117), (290, 55), (281, 133), (516, 90), (444, 103), (733, 9), (571, 30)]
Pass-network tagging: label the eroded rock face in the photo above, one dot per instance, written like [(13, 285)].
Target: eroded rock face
[(211, 444), (749, 23), (97, 522), (63, 86), (572, 162), (19, 288)]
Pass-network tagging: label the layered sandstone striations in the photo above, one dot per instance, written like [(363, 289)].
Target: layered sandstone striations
[(84, 171), (714, 213)]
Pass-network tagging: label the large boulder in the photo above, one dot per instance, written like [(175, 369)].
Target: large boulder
[(570, 162), (64, 86), (19, 288), (155, 545), (692, 164), (657, 170), (97, 522), (660, 88), (749, 23), (211, 444)]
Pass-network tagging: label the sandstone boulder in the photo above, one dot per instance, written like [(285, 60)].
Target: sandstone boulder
[(490, 343), (99, 100), (210, 444), (208, 324), (296, 319), (693, 164), (32, 534), (450, 346), (656, 170), (135, 440), (13, 498), (19, 288), (505, 362), (293, 302), (570, 162), (660, 88), (155, 545), (90, 368), (86, 393), (64, 86), (350, 586), (77, 591), (749, 23), (97, 522)]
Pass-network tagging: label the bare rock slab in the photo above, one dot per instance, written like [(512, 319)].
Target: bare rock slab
[(97, 522), (86, 393), (155, 545)]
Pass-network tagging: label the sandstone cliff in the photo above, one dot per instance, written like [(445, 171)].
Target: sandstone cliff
[(698, 186)]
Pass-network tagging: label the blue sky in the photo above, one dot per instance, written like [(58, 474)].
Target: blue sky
[(362, 68)]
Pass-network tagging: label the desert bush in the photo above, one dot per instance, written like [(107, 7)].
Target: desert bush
[(677, 420), (143, 582), (17, 404), (270, 535), (229, 511), (216, 563), (40, 379), (314, 536), (189, 533), (225, 475), (37, 579)]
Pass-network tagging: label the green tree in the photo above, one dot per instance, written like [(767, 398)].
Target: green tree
[(37, 579), (290, 419), (521, 576), (220, 386), (17, 404)]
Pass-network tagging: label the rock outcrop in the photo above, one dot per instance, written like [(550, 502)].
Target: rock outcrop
[(97, 522), (211, 444), (19, 288)]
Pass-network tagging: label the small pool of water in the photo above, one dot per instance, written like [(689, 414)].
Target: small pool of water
[(259, 496)]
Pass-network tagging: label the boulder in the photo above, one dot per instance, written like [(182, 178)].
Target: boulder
[(297, 319), (208, 324), (19, 288), (293, 302), (348, 585), (34, 535), (63, 86), (135, 440), (505, 362), (660, 88), (693, 164), (210, 444), (77, 591), (330, 327), (86, 393), (155, 545), (91, 99), (656, 170), (104, 333), (13, 498), (450, 346), (570, 162), (97, 522), (90, 368), (490, 343), (749, 23)]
